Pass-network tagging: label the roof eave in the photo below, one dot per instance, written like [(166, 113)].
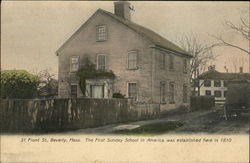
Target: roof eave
[(76, 32), (170, 50)]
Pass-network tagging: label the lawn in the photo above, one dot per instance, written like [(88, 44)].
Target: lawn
[(151, 129)]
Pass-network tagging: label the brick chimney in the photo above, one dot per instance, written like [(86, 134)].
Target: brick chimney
[(211, 68), (122, 9), (241, 69)]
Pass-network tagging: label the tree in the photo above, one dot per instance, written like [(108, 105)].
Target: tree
[(202, 55), (49, 85), (242, 29), (18, 84)]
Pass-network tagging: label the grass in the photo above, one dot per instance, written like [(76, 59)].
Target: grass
[(151, 129)]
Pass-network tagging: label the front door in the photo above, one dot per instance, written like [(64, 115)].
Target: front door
[(97, 91)]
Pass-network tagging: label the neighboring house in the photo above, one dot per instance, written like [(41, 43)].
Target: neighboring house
[(147, 67), (214, 83)]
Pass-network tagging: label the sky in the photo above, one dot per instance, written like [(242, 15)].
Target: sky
[(31, 32)]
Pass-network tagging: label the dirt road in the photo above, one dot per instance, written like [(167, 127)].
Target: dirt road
[(199, 122)]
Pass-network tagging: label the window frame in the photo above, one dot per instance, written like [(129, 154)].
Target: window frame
[(210, 83), (163, 94), (98, 33), (71, 64), (162, 61), (225, 94), (73, 84), (128, 93), (185, 93), (217, 91), (97, 62), (171, 62), (208, 91), (135, 52), (171, 93), (216, 84), (225, 83)]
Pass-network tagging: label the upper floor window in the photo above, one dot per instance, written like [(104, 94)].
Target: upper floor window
[(163, 91), (225, 93), (132, 90), (162, 61), (74, 64), (185, 65), (225, 83), (132, 60), (171, 62), (102, 62), (207, 83), (101, 33), (217, 83), (171, 93)]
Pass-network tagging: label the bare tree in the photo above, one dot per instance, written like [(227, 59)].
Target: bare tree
[(202, 55), (242, 29)]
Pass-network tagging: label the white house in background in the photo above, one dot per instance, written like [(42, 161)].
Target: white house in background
[(214, 83)]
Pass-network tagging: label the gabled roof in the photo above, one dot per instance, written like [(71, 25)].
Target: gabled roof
[(148, 34), (215, 75)]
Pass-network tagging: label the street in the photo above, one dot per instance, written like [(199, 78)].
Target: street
[(199, 122)]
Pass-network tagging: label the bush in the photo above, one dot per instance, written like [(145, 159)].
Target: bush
[(118, 95), (18, 84)]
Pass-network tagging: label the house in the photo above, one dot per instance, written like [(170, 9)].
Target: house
[(147, 67), (214, 83)]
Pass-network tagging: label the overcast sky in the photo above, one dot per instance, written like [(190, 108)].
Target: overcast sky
[(33, 31)]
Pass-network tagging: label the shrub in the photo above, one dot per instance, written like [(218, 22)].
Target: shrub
[(118, 95), (18, 84)]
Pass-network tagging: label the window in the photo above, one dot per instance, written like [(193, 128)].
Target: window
[(97, 91), (208, 93), (185, 93), (132, 90), (101, 62), (163, 91), (185, 65), (207, 83), (162, 61), (73, 90), (217, 93), (217, 83), (171, 62), (171, 93), (225, 93), (225, 83), (101, 33), (74, 64), (132, 60)]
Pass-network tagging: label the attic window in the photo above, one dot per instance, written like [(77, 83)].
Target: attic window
[(74, 63), (101, 33)]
